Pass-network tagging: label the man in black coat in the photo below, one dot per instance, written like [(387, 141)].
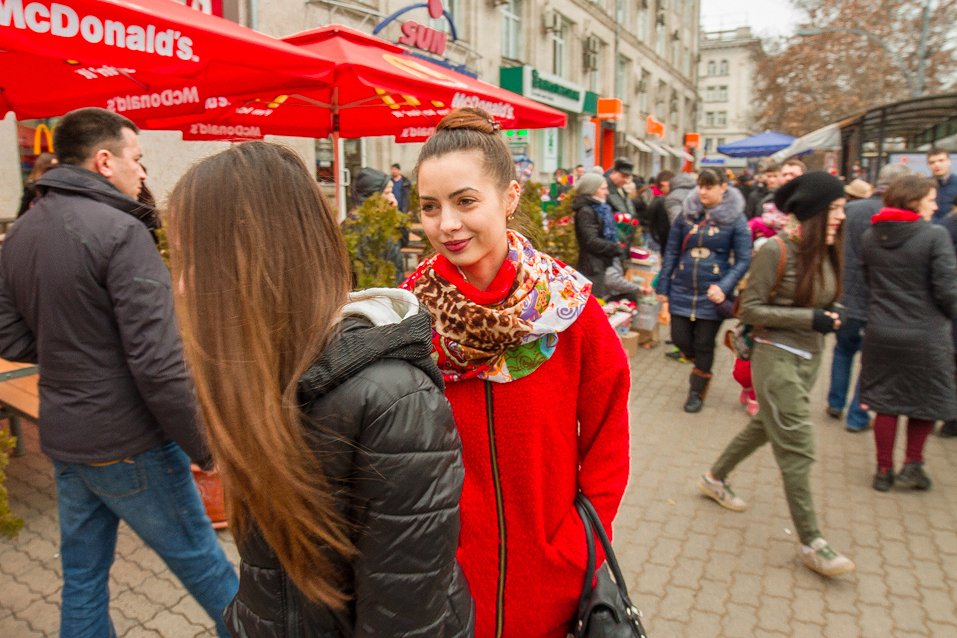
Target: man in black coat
[(854, 299), (618, 199), (85, 294)]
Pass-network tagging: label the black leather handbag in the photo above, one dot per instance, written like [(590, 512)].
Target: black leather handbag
[(604, 609)]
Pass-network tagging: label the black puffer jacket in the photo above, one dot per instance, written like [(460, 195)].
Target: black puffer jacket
[(908, 355), (389, 445)]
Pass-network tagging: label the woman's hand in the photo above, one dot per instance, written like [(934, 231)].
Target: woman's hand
[(715, 294)]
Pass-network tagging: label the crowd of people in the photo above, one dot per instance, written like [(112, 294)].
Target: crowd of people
[(400, 461)]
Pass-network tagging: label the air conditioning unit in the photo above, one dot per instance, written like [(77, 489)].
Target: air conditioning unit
[(676, 35), (590, 61), (552, 21), (592, 44), (641, 86)]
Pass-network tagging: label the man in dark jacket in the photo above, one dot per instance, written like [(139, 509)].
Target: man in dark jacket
[(938, 160), (854, 299), (85, 294), (401, 188), (620, 175)]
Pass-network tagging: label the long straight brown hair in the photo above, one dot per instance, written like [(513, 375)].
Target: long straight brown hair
[(813, 250), (261, 274)]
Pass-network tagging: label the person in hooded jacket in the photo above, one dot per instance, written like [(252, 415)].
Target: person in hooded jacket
[(664, 209), (707, 254), (908, 355), (595, 230), (537, 379), (340, 460)]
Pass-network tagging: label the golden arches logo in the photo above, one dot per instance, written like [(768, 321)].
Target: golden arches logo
[(422, 72), (42, 132)]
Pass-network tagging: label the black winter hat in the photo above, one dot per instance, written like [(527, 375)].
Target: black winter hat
[(809, 195)]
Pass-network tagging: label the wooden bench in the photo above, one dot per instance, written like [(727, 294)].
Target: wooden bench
[(19, 397)]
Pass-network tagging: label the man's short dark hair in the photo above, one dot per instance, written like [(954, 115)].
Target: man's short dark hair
[(396, 166), (84, 131), (936, 150), (663, 176)]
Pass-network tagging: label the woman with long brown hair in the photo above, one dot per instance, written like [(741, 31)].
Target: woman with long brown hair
[(537, 379), (43, 163), (340, 461), (791, 310), (908, 353)]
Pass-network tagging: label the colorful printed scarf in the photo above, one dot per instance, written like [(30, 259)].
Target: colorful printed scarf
[(506, 332)]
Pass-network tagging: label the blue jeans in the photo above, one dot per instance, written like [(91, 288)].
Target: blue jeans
[(849, 338), (155, 494)]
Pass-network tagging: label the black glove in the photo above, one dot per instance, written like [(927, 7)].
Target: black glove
[(822, 322)]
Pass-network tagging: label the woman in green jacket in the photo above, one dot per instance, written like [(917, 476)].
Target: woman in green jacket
[(791, 313)]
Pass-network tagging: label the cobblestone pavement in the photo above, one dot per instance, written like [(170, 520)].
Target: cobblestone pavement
[(695, 569)]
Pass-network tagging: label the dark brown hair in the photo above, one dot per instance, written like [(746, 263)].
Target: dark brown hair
[(84, 131), (813, 249), (711, 177), (907, 191), (43, 163), (936, 150), (262, 275), (469, 129)]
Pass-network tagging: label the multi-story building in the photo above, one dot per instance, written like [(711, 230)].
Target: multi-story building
[(566, 53), (726, 86)]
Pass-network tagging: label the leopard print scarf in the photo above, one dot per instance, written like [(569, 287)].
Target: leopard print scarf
[(507, 331)]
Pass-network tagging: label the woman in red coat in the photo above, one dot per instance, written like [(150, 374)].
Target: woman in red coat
[(537, 380)]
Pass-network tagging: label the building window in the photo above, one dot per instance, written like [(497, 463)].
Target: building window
[(709, 118), (454, 7), (721, 95), (643, 20), (712, 68), (559, 50), (621, 76), (707, 144), (661, 39), (512, 29), (720, 142), (721, 118), (723, 68), (643, 85)]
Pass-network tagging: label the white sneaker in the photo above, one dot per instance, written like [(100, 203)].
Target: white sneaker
[(721, 493), (823, 559)]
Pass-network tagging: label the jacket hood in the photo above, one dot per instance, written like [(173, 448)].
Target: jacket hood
[(726, 211), (378, 323), (80, 181), (681, 181), (893, 234)]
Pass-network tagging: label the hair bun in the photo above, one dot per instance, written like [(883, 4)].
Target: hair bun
[(470, 118)]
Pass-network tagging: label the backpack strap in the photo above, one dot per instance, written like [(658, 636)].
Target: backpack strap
[(782, 265)]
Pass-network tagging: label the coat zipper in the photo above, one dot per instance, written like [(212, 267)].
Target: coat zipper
[(694, 278), (500, 509)]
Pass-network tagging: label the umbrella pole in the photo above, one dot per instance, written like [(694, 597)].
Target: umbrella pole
[(337, 161)]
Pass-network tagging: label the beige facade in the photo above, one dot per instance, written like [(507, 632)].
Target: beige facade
[(726, 86), (641, 51)]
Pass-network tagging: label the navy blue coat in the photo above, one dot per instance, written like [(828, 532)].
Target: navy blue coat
[(699, 253)]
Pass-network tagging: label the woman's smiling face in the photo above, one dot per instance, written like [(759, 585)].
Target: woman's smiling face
[(464, 213)]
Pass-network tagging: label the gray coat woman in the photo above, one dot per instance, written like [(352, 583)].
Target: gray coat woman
[(908, 353)]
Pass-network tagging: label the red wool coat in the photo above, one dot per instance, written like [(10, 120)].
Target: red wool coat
[(528, 446)]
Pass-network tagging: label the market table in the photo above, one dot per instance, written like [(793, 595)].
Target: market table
[(19, 396)]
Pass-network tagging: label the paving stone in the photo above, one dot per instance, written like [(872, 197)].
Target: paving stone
[(908, 614), (875, 620), (168, 623), (12, 626), (677, 603), (43, 617), (774, 614), (740, 620)]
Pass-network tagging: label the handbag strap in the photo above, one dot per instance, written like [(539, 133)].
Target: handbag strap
[(593, 523)]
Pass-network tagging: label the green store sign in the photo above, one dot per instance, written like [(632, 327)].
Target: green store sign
[(548, 89)]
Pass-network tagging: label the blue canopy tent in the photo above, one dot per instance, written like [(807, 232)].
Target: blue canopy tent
[(759, 145)]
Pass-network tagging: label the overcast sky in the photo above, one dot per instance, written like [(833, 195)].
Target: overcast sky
[(765, 17)]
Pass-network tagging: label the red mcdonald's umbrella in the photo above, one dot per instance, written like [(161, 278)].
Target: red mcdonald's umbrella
[(140, 58), (377, 88)]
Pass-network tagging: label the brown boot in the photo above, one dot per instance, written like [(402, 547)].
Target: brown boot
[(698, 382)]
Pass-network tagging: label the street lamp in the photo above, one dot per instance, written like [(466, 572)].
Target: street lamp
[(915, 82)]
